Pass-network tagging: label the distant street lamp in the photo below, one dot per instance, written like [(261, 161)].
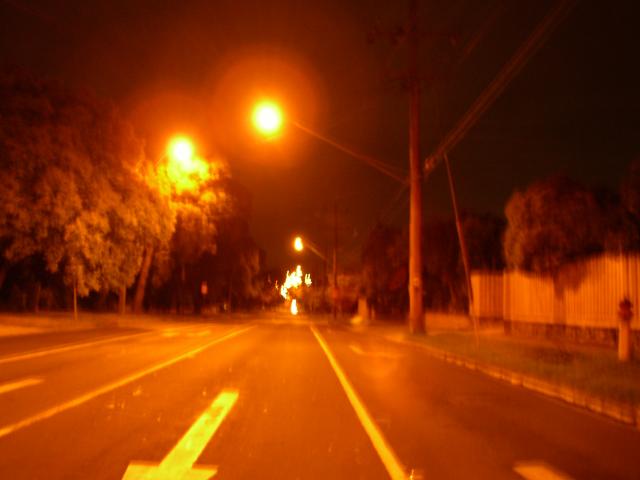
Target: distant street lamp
[(299, 245)]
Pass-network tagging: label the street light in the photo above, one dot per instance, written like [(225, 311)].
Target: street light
[(267, 117), (185, 169), (299, 245), (181, 149)]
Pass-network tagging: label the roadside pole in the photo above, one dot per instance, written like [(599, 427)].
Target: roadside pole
[(416, 318)]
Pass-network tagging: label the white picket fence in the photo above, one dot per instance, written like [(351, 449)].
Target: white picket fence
[(583, 294)]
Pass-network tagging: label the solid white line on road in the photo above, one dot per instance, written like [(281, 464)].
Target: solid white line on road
[(179, 462), (387, 455), (26, 382), (67, 347), (50, 412), (538, 471)]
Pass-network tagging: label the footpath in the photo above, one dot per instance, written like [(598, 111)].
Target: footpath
[(587, 377)]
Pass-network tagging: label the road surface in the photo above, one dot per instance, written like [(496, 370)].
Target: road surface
[(278, 400)]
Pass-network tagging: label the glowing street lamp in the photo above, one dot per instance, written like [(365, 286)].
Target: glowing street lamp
[(267, 118), (181, 149), (299, 245), (184, 168)]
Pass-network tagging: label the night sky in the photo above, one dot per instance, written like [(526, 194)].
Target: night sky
[(197, 67)]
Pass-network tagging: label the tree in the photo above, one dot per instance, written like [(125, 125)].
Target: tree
[(443, 270), (555, 221), (211, 244), (73, 184), (628, 220), (483, 236), (384, 269)]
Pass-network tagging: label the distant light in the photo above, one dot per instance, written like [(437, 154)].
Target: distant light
[(267, 118), (298, 245)]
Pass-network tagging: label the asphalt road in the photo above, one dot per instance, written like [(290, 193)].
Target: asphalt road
[(256, 400)]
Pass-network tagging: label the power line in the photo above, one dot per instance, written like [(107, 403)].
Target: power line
[(511, 69)]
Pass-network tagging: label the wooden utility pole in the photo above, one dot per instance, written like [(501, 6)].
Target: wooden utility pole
[(416, 318)]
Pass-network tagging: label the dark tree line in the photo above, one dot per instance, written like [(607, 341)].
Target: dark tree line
[(550, 223), (85, 213), (385, 256), (558, 220)]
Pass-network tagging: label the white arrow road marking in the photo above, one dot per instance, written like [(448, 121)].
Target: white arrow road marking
[(26, 382), (178, 464), (538, 471), (392, 463)]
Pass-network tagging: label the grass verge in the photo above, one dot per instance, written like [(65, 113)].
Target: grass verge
[(590, 370)]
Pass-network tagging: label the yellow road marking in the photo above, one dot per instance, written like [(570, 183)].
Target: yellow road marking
[(180, 460), (538, 471), (50, 412), (27, 382), (387, 455)]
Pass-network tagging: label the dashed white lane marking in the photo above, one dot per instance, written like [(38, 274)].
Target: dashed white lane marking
[(66, 348), (179, 462), (50, 412), (538, 471), (26, 382), (200, 334), (376, 353), (390, 460)]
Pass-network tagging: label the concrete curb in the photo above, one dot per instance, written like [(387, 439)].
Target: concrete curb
[(626, 413)]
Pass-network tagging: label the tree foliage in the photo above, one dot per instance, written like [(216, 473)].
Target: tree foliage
[(75, 186), (211, 244), (555, 221), (628, 237)]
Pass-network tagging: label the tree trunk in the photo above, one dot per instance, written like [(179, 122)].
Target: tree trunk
[(122, 300), (229, 292), (36, 297), (75, 300), (138, 299), (3, 274), (102, 299)]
